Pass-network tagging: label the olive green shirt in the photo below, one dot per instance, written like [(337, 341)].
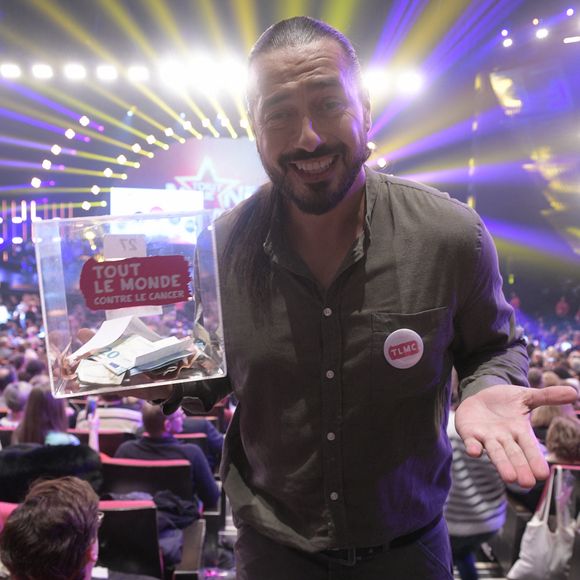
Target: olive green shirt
[(331, 446)]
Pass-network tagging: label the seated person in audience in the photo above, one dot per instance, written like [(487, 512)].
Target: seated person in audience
[(215, 440), (15, 397), (113, 413), (7, 376), (542, 417), (53, 534), (44, 421), (563, 440), (535, 378), (158, 442)]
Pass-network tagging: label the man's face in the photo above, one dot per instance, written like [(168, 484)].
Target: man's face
[(310, 123)]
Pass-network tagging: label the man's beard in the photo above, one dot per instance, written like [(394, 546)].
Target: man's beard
[(321, 200)]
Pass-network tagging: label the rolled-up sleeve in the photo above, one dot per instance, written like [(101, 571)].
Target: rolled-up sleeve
[(487, 348)]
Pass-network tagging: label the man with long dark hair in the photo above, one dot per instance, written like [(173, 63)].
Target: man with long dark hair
[(347, 297)]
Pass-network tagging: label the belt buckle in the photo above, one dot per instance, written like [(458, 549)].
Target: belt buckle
[(350, 559)]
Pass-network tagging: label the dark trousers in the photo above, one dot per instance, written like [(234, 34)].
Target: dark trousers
[(260, 558), (462, 549)]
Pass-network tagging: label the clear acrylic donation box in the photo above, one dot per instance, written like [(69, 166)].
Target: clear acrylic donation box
[(129, 301)]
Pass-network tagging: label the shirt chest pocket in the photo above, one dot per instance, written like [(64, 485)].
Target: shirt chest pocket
[(434, 328)]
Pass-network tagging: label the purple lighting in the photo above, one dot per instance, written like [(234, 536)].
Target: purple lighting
[(29, 121), (401, 18)]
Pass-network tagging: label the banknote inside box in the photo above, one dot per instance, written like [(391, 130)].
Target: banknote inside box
[(129, 301)]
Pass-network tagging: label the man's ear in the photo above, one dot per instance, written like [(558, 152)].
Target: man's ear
[(366, 106)]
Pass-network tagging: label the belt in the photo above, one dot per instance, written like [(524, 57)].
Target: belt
[(350, 556)]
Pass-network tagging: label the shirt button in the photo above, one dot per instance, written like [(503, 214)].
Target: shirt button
[(334, 496), (327, 312), (330, 436), (329, 374)]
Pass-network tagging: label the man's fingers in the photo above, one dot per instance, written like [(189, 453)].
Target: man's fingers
[(499, 458), (558, 395), (473, 447), (534, 456)]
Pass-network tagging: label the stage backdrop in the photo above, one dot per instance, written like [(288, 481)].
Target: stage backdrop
[(208, 173)]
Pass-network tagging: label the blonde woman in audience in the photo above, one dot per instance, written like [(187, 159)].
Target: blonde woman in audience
[(542, 417), (563, 440)]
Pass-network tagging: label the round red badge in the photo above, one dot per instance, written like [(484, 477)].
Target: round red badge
[(403, 348)]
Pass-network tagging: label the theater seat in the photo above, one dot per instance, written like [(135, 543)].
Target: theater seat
[(151, 476), (128, 538), (109, 439), (6, 436)]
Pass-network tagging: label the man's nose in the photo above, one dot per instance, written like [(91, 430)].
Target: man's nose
[(309, 138)]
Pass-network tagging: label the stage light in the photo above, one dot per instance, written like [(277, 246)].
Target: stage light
[(410, 83), (535, 21), (244, 123), (168, 132), (75, 72), (95, 190), (136, 148), (17, 240), (86, 205), (205, 122), (55, 149), (108, 172), (35, 182), (381, 162), (10, 71), (504, 32), (377, 81), (136, 165), (107, 72), (121, 160), (542, 33), (571, 39), (130, 113), (372, 146), (570, 12), (124, 176), (42, 71), (138, 73), (46, 164), (173, 74), (150, 139), (17, 219), (187, 125), (507, 42), (84, 121), (69, 133)]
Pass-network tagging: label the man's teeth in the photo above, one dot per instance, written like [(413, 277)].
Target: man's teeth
[(314, 166)]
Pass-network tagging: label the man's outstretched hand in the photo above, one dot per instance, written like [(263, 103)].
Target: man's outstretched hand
[(497, 420)]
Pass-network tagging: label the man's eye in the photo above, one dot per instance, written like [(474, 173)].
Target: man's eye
[(277, 118), (332, 106)]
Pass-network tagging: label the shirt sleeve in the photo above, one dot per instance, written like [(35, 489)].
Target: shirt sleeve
[(487, 347), (206, 487)]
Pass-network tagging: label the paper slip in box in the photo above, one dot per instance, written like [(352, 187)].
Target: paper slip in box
[(122, 298)]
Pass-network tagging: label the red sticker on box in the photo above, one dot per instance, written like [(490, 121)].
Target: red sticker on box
[(150, 281)]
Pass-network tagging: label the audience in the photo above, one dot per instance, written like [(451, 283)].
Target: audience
[(215, 439), (158, 442), (114, 413), (15, 397), (53, 534), (542, 417), (45, 420), (563, 440)]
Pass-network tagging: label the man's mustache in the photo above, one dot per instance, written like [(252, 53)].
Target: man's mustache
[(301, 155)]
